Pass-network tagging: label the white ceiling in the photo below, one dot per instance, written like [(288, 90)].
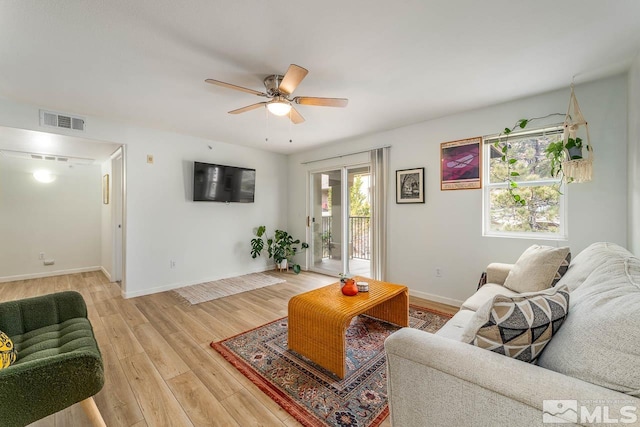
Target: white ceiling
[(398, 62)]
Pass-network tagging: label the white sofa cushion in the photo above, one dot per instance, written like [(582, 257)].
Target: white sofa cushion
[(484, 294), (518, 326), (538, 268), (589, 259), (455, 326), (600, 341)]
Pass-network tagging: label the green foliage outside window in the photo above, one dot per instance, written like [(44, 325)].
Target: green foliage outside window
[(358, 203), (524, 195)]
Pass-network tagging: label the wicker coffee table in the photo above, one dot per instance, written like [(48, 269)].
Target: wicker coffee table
[(318, 319)]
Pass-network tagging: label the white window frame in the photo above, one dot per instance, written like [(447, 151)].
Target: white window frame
[(562, 233)]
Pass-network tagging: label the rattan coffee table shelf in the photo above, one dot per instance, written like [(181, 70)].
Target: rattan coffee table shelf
[(318, 319)]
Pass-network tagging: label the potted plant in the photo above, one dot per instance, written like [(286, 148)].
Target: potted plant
[(282, 247), (574, 147), (559, 152)]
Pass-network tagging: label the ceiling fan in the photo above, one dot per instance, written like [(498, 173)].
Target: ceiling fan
[(278, 90)]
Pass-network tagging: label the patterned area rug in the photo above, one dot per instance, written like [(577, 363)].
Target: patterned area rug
[(208, 291), (312, 395)]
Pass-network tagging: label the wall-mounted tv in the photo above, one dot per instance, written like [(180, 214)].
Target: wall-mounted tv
[(220, 183)]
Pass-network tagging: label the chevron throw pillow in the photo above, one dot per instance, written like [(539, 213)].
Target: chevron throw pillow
[(519, 326)]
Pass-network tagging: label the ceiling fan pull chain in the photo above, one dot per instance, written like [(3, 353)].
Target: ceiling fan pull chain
[(290, 121), (266, 113)]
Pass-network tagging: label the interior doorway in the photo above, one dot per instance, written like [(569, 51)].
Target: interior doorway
[(341, 220), (117, 214), (73, 153)]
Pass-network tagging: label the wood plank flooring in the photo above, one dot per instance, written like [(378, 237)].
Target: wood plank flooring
[(159, 368)]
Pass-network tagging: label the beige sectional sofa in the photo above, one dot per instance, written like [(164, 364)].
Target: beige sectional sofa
[(588, 374)]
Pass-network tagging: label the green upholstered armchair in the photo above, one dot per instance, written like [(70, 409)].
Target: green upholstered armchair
[(58, 361)]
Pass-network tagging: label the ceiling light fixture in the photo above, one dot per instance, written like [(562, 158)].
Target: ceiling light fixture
[(279, 107), (44, 176)]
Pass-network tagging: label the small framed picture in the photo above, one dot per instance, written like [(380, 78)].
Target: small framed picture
[(105, 189), (410, 185), (460, 164)]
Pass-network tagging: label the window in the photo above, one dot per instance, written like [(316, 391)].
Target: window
[(544, 214)]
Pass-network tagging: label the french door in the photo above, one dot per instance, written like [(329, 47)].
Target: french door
[(340, 220)]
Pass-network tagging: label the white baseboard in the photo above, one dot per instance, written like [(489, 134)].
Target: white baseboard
[(436, 298), (49, 274), (106, 273), (172, 286)]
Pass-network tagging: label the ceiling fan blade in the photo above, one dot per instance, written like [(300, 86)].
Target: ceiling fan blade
[(323, 102), (230, 86), (247, 108), (295, 116), (292, 78)]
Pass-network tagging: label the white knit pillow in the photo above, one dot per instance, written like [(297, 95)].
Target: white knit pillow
[(538, 268)]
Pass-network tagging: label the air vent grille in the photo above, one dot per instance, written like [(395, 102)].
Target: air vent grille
[(65, 121), (49, 119), (48, 157), (77, 124)]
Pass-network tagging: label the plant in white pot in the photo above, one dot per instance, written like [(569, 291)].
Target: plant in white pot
[(558, 153), (282, 247)]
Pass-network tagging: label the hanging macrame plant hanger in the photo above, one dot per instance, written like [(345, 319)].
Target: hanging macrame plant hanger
[(578, 169)]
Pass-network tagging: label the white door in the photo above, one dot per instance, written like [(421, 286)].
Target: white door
[(117, 193)]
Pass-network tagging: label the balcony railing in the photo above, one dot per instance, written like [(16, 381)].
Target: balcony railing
[(359, 242)]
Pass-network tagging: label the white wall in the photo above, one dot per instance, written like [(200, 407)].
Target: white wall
[(207, 241), (61, 218), (446, 232), (634, 157)]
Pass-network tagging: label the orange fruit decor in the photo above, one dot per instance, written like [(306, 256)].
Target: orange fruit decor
[(350, 288)]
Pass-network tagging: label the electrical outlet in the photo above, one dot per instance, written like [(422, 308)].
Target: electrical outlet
[(172, 264), (150, 158), (438, 272), (41, 255)]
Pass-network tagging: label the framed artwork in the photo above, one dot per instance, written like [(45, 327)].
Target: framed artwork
[(105, 189), (461, 164), (410, 185)]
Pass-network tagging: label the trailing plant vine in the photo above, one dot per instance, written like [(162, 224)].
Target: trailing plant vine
[(502, 144)]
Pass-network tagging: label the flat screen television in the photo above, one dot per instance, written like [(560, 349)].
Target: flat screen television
[(220, 183)]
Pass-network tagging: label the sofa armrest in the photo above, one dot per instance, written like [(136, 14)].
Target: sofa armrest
[(497, 272), (33, 390), (438, 382), (20, 316)]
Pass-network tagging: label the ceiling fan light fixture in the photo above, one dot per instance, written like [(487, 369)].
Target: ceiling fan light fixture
[(279, 108)]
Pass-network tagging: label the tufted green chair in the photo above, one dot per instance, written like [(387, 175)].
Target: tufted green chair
[(58, 362)]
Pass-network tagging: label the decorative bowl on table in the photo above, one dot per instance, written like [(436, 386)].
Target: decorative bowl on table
[(362, 286)]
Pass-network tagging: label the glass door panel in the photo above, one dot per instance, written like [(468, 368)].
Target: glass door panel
[(359, 221), (326, 222)]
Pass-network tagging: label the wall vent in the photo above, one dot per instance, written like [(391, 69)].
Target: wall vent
[(48, 157), (65, 121)]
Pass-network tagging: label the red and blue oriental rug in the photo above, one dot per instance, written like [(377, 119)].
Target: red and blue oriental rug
[(312, 395)]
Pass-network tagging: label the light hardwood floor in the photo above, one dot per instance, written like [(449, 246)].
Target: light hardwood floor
[(159, 368)]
